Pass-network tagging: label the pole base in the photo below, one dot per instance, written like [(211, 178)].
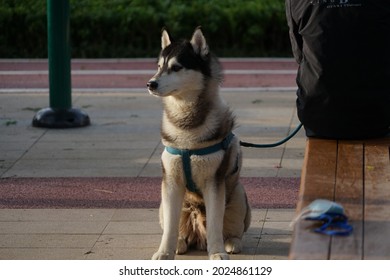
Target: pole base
[(60, 118)]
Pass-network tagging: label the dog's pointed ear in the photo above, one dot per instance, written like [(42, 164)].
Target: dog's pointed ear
[(198, 42), (165, 38)]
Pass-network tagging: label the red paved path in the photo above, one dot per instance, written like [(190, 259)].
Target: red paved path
[(128, 192), (273, 73)]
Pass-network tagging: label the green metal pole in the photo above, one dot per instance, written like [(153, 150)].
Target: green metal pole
[(60, 114), (59, 54)]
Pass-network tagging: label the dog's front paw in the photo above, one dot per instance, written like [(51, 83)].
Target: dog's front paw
[(219, 256), (163, 256), (182, 246), (233, 246)]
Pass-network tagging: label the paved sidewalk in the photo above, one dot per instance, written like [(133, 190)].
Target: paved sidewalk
[(124, 138), (120, 234), (123, 142)]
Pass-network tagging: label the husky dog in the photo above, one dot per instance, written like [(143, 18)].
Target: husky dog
[(202, 158)]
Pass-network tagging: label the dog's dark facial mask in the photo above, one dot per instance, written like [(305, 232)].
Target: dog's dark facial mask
[(186, 57)]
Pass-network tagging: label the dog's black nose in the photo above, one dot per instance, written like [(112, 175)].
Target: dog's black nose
[(152, 85)]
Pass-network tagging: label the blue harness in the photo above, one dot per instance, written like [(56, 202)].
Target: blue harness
[(186, 158)]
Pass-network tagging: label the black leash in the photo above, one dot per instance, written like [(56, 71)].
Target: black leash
[(292, 134)]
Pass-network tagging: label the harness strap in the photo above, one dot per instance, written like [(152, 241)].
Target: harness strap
[(186, 158)]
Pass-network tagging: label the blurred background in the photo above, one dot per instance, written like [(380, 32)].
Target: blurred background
[(131, 28)]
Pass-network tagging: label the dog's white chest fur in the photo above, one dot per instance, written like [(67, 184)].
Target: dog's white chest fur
[(204, 167)]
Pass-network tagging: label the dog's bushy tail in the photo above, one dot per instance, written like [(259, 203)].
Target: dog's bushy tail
[(193, 226)]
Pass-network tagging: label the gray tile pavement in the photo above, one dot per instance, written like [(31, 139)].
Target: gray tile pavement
[(90, 234), (123, 141)]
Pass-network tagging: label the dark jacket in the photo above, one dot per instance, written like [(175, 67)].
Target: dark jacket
[(343, 51)]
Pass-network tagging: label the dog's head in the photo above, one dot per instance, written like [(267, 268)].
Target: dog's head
[(183, 66)]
